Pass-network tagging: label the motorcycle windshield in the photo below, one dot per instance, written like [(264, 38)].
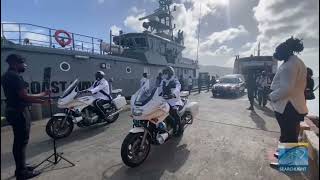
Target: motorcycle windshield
[(144, 95), (73, 85)]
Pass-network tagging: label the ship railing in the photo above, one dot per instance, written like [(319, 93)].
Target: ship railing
[(34, 35)]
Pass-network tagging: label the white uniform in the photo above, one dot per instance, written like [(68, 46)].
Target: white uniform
[(288, 85), (263, 81), (176, 91), (190, 81), (144, 82), (100, 88)]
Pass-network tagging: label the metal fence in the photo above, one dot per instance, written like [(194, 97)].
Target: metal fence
[(34, 35)]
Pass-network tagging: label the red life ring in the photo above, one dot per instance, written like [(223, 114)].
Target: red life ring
[(61, 40)]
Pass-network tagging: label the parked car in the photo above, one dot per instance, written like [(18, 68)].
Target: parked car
[(233, 84)]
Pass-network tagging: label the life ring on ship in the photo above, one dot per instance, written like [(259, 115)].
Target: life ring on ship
[(59, 38)]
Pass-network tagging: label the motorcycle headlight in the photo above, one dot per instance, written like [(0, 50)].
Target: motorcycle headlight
[(137, 112)]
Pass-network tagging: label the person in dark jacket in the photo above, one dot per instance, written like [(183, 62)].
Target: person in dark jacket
[(251, 85), (17, 114), (181, 82), (208, 83), (159, 79), (199, 84), (213, 81), (310, 85)]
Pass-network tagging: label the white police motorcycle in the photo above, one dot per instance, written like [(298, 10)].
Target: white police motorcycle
[(152, 123), (79, 110)]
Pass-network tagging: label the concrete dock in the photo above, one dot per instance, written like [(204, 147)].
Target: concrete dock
[(225, 142)]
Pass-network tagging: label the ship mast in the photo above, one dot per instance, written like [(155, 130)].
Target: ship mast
[(199, 34), (160, 21)]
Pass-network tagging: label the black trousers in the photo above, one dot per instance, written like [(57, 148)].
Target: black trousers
[(251, 95), (262, 96), (98, 104), (288, 122), (190, 88), (174, 113), (20, 122)]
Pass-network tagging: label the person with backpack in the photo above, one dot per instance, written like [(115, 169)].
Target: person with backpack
[(287, 97), (309, 91), (190, 83)]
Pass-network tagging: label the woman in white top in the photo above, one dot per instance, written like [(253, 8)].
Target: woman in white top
[(287, 96), (288, 86)]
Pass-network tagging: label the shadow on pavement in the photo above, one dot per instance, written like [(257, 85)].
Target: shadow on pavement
[(260, 123), (266, 111), (228, 97), (168, 157), (36, 148)]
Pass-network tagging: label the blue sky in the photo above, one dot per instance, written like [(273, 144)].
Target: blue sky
[(228, 27), (90, 17)]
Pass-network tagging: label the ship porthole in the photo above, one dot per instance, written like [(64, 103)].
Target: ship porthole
[(128, 69), (64, 66)]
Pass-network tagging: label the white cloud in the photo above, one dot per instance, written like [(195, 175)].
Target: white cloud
[(310, 56), (280, 19), (187, 19), (222, 50), (248, 45), (272, 22), (115, 30), (134, 23), (135, 10), (32, 35), (223, 36), (37, 38), (100, 1)]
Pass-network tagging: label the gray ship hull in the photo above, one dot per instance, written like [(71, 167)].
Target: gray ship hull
[(82, 65)]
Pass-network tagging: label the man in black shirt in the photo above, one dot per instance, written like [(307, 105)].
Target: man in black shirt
[(251, 85), (17, 100)]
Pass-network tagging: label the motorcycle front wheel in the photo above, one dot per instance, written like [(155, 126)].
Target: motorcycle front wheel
[(131, 152), (55, 130)]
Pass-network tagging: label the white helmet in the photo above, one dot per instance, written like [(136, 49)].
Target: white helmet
[(99, 74)]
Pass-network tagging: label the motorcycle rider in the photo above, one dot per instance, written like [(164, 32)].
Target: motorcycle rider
[(101, 91), (171, 87), (262, 83)]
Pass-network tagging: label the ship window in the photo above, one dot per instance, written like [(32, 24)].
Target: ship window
[(151, 43), (105, 66), (64, 66), (130, 42), (141, 42), (128, 69)]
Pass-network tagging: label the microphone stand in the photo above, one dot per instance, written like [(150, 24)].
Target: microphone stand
[(57, 156)]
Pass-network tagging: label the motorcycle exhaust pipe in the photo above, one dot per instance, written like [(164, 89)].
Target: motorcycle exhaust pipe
[(115, 113), (94, 118), (161, 138)]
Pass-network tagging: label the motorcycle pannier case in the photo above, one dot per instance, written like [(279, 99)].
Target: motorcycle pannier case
[(184, 94), (119, 101), (193, 107)]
